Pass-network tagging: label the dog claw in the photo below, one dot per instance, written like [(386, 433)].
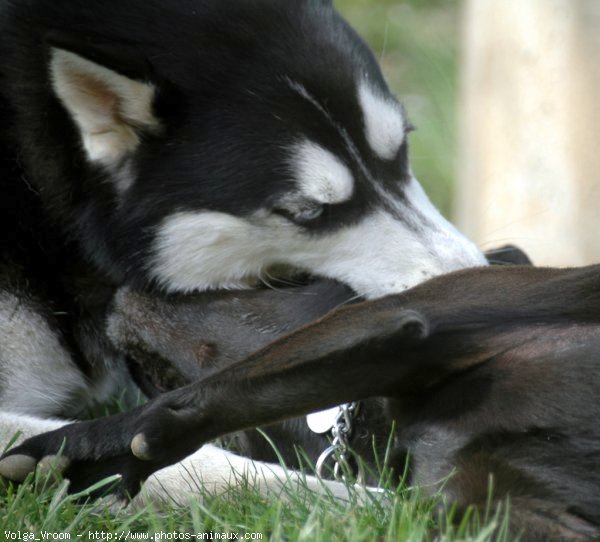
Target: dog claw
[(17, 467), (53, 465), (140, 447)]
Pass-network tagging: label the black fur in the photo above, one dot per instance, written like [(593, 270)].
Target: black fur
[(486, 372), (227, 112), (224, 101), (172, 341)]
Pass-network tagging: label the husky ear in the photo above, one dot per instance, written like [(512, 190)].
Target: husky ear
[(108, 108)]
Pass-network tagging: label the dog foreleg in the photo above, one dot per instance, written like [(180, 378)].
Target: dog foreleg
[(210, 470), (353, 353)]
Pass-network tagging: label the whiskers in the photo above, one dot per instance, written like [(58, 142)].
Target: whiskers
[(289, 284), (500, 250), (293, 286), (351, 299)]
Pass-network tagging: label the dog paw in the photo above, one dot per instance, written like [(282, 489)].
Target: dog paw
[(85, 453), (126, 447), (171, 427)]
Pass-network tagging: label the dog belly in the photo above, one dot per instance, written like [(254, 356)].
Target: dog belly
[(37, 374)]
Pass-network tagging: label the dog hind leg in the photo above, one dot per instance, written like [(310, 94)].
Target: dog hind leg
[(535, 520), (214, 471)]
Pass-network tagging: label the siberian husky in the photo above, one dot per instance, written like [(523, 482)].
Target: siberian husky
[(184, 146)]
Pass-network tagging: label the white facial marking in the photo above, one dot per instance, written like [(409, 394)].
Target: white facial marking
[(451, 247), (205, 250), (379, 255), (320, 175), (382, 255), (106, 106), (384, 122)]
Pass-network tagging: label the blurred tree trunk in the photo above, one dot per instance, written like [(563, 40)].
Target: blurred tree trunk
[(530, 145)]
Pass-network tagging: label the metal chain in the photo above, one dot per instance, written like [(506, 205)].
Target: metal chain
[(340, 444)]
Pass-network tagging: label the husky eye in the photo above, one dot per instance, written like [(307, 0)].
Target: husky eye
[(301, 215), (311, 214)]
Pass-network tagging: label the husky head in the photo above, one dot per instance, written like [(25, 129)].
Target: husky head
[(219, 140)]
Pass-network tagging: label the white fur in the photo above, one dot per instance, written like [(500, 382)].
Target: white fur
[(38, 376), (378, 256), (215, 471), (106, 106), (197, 251), (15, 428), (444, 240), (384, 122), (320, 175)]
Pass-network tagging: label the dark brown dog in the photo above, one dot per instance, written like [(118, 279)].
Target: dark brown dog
[(175, 340), (488, 373)]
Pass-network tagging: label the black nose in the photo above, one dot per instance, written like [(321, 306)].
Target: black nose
[(507, 255)]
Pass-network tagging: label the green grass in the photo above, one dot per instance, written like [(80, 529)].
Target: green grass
[(39, 507), (417, 43)]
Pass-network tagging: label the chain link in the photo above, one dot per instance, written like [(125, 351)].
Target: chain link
[(339, 448)]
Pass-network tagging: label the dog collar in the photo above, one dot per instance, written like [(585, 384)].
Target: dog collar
[(338, 422)]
